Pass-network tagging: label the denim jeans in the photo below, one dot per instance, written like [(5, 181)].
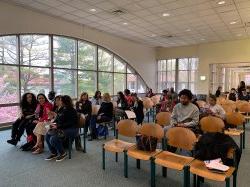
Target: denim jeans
[(94, 121), (55, 143)]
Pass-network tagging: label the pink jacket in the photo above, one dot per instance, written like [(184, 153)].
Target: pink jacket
[(46, 108)]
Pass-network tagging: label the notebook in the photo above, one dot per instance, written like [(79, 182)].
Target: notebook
[(216, 165)]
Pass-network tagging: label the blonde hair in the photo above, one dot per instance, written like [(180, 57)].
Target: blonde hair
[(106, 97)]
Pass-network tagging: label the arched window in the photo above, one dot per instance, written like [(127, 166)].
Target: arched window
[(39, 63)]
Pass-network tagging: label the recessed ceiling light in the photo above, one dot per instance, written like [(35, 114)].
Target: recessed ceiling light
[(233, 22), (92, 10), (239, 34), (165, 14), (202, 39), (221, 2), (188, 30), (125, 23), (153, 35)]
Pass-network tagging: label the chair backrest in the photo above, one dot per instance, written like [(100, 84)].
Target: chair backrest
[(181, 137), (80, 120), (156, 99), (244, 107), (95, 109), (240, 102), (229, 107), (147, 103), (163, 118), (234, 118), (152, 129), (201, 103), (127, 127), (212, 124)]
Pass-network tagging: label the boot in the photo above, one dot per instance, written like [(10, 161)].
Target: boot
[(78, 144)]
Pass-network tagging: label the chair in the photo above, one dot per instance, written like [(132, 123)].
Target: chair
[(198, 168), (156, 99), (244, 108), (212, 124), (80, 124), (178, 137), (126, 128), (148, 129), (229, 107), (236, 119), (163, 118), (148, 105)]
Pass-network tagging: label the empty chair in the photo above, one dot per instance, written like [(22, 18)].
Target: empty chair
[(180, 138), (212, 124), (163, 118)]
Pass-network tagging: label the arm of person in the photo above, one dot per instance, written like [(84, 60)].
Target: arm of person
[(194, 119), (78, 107), (173, 121)]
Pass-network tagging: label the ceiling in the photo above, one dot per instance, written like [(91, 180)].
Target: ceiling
[(186, 22)]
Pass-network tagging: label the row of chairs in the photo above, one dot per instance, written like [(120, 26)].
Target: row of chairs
[(177, 137)]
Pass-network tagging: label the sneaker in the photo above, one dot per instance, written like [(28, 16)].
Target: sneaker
[(12, 142), (61, 157), (51, 157)]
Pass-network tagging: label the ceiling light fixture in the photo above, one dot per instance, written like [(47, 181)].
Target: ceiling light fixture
[(92, 10), (125, 23), (202, 39), (153, 35), (233, 22), (239, 34), (165, 14), (221, 2), (188, 30)]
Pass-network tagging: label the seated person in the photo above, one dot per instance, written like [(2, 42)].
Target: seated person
[(149, 93), (244, 96), (122, 102), (185, 114), (97, 99), (137, 108), (84, 107), (214, 109), (28, 106), (65, 123), (128, 97), (104, 114), (42, 111), (232, 95), (166, 102)]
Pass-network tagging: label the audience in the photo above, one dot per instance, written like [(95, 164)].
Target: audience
[(28, 106), (104, 114), (218, 91), (232, 95), (84, 107), (214, 109), (240, 88), (63, 126), (244, 95), (149, 93), (137, 108), (128, 97), (42, 115), (166, 102), (97, 99), (51, 96)]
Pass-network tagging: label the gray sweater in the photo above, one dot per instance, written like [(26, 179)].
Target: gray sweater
[(187, 114)]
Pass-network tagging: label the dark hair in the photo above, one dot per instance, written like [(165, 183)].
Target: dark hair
[(164, 91), (24, 103), (213, 97), (58, 97), (134, 94), (121, 96), (51, 95), (126, 91), (187, 93), (82, 94), (67, 101), (242, 84), (41, 94), (96, 93), (172, 90)]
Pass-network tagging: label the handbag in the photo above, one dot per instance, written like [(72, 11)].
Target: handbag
[(56, 132), (146, 143), (102, 130)]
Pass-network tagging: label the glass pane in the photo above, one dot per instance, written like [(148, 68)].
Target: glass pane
[(130, 69), (162, 81), (86, 56), (8, 114), (170, 76), (192, 76), (183, 76), (65, 82), (119, 66), (34, 50), (192, 87), (173, 64), (35, 80), (141, 88), (183, 64), (182, 85), (170, 64), (119, 82), (194, 63), (9, 84), (8, 50), (105, 83), (105, 60), (87, 82), (132, 82), (162, 65), (64, 52)]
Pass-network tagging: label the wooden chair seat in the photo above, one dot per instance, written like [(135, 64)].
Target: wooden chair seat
[(117, 145), (141, 155), (236, 132), (173, 161), (198, 167)]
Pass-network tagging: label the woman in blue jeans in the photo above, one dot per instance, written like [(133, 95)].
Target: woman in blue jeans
[(66, 120)]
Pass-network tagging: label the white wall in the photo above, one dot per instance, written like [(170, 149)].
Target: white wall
[(15, 20), (210, 53)]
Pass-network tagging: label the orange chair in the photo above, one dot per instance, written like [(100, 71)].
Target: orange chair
[(163, 118), (212, 124), (178, 137), (126, 128)]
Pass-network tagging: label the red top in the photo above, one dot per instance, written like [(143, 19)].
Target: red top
[(47, 106), (129, 100)]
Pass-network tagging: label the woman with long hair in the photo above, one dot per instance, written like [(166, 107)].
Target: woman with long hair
[(97, 99), (42, 115), (27, 106), (65, 123)]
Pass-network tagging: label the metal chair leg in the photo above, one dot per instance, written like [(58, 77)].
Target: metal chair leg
[(186, 176), (164, 171), (244, 134), (125, 164), (70, 147), (138, 164), (116, 157), (103, 157), (227, 182), (152, 172), (194, 180), (235, 178), (84, 142)]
